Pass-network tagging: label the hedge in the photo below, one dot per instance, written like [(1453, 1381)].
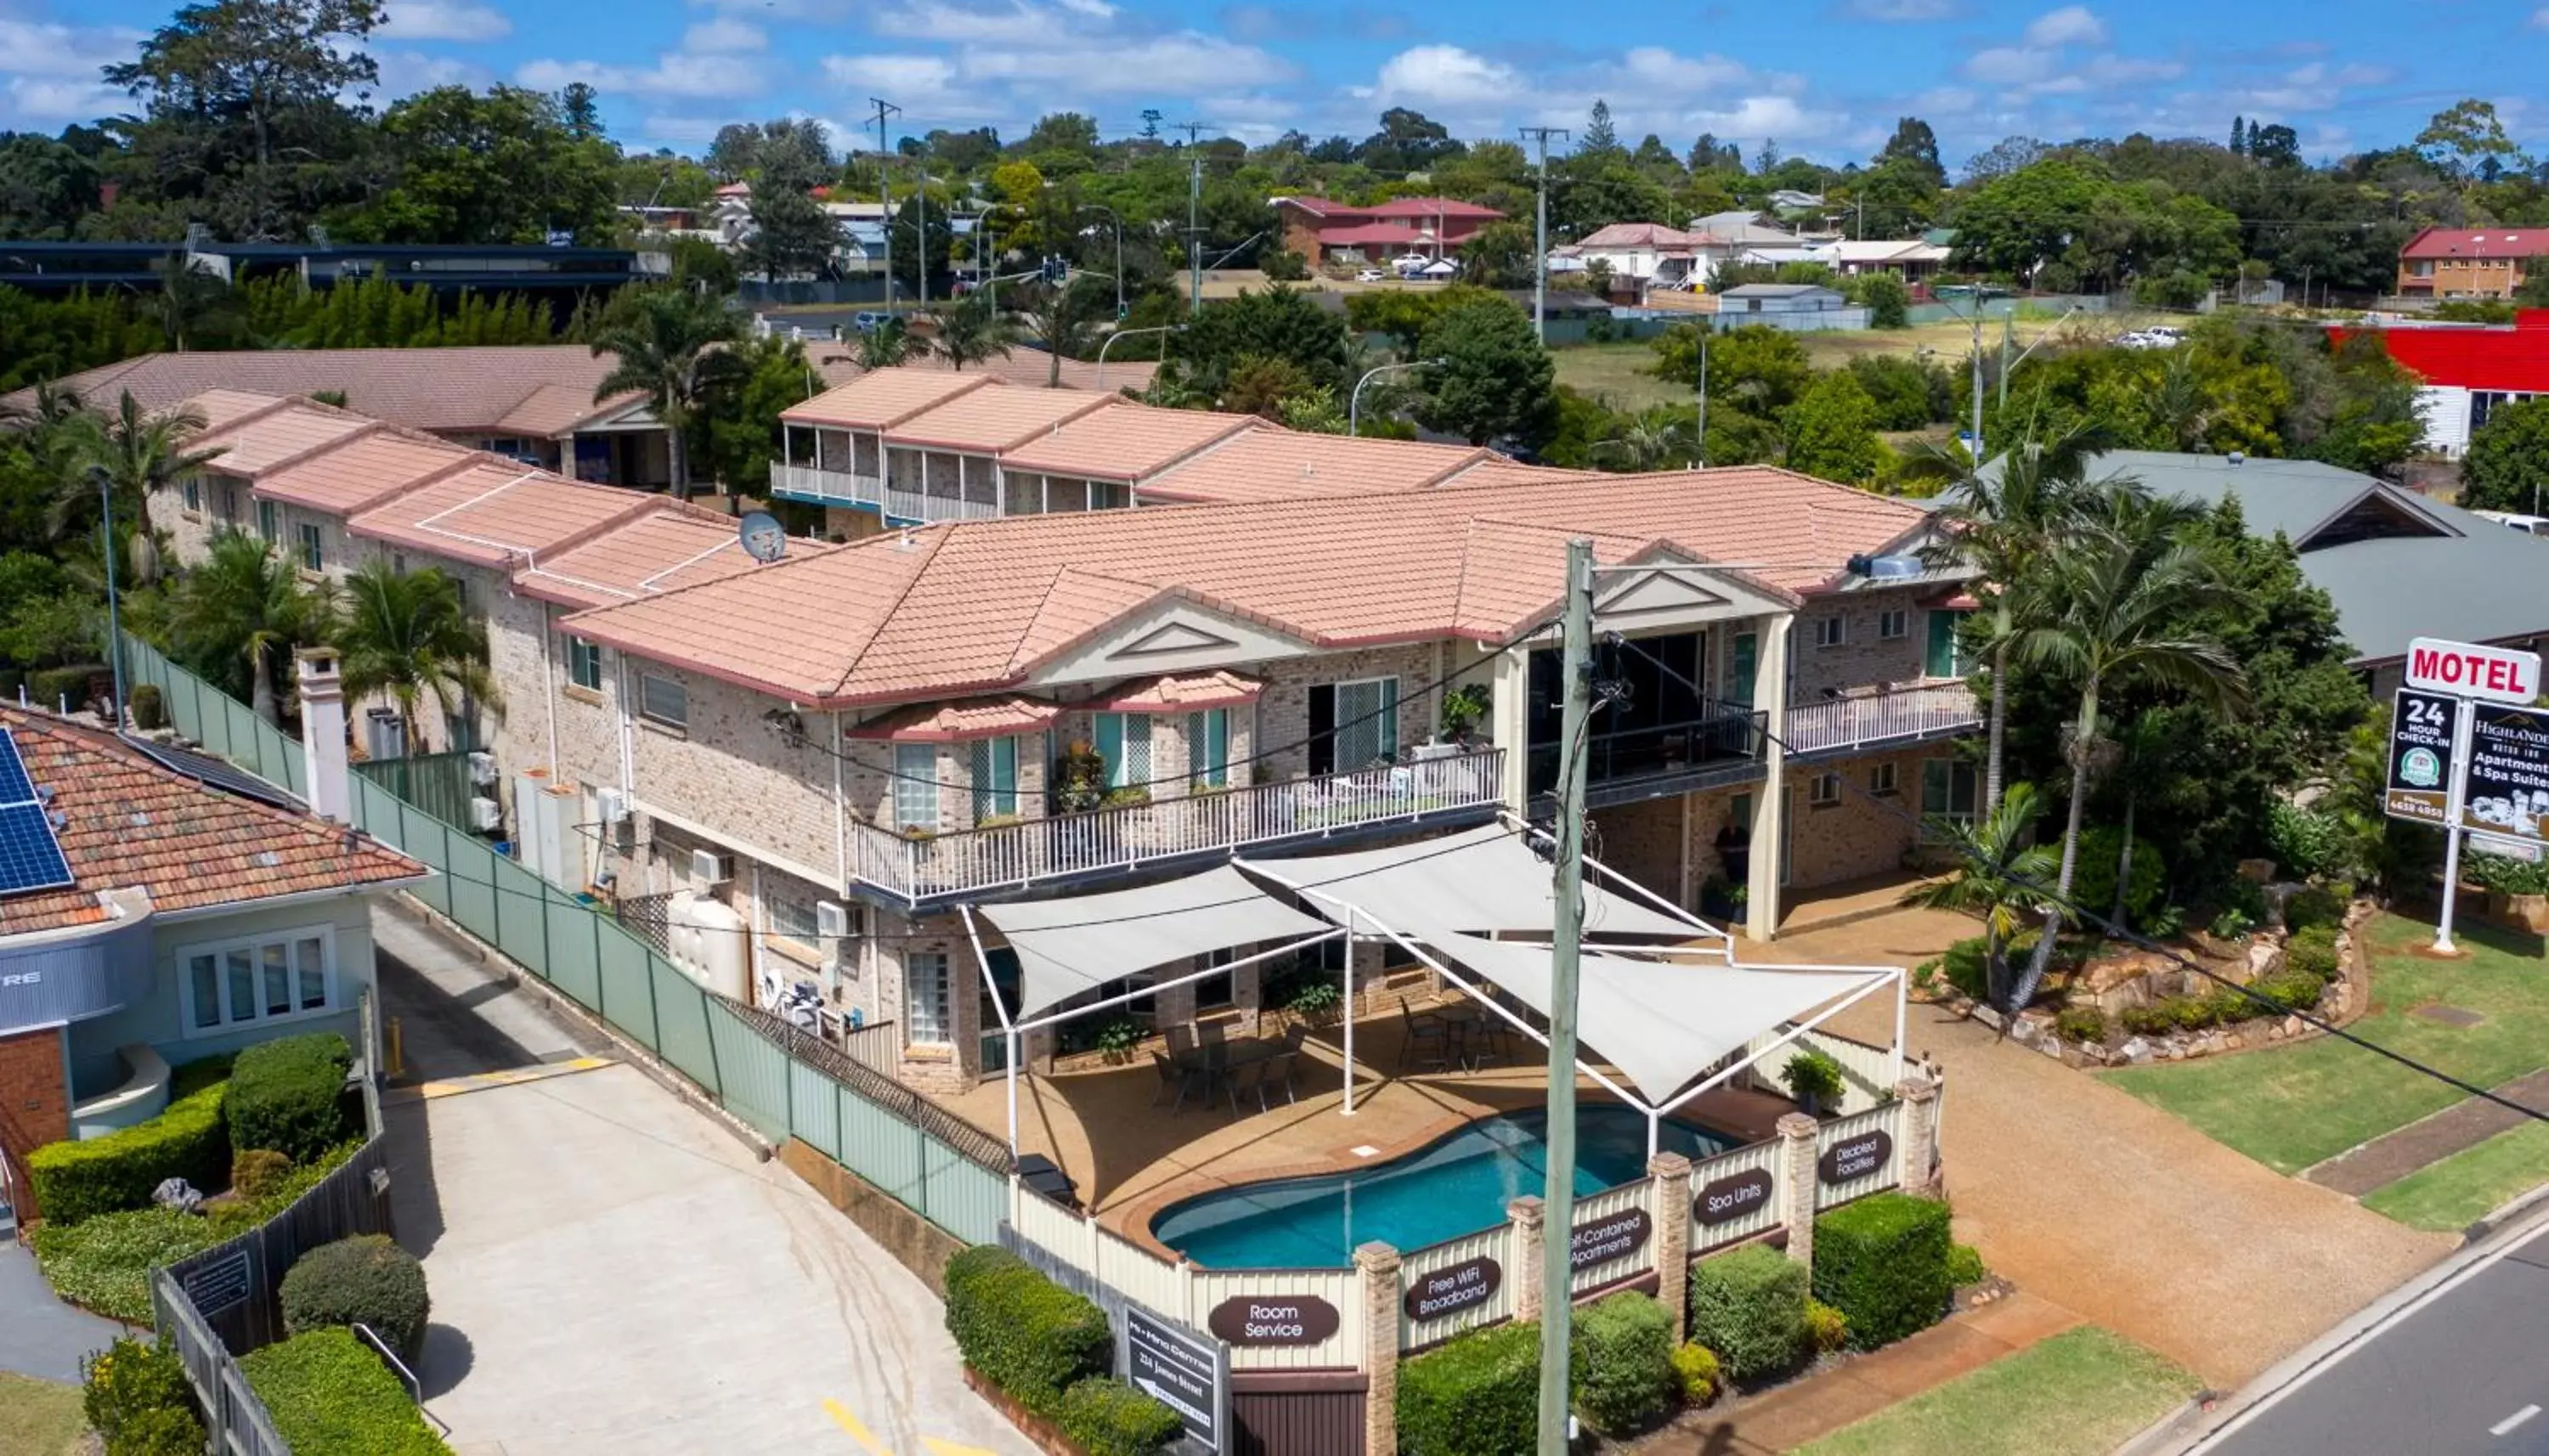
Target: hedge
[(1882, 1261), (288, 1095), (79, 1180), (1021, 1331), (1104, 1416), (1749, 1307), (1622, 1364), (135, 1396), (1476, 1394), (331, 1396), (364, 1280)]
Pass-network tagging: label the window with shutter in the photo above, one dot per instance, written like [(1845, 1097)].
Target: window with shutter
[(996, 777), (1124, 742), (1208, 749), (1367, 722)]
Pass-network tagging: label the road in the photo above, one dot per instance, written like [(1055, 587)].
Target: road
[(2461, 1369)]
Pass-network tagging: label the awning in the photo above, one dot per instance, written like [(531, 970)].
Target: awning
[(1477, 881), (1660, 1024), (1172, 692), (990, 717), (1072, 945)]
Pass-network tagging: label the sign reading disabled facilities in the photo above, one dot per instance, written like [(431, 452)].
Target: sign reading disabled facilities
[(2422, 729), (2470, 669), (2507, 792)]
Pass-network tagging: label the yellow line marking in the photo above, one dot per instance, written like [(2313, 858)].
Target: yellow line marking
[(843, 1417), (516, 1076), (937, 1447)]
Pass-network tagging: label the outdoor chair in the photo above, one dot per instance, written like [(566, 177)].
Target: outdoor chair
[(1183, 1077), (1246, 1079), (1429, 1042), (1276, 1071)]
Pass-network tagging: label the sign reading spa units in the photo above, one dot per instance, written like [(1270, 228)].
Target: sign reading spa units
[(2469, 670)]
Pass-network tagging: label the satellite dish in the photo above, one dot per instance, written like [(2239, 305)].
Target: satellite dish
[(763, 537)]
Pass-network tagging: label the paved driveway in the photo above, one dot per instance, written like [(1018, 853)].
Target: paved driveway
[(2119, 1211), (612, 1272), (40, 1335)]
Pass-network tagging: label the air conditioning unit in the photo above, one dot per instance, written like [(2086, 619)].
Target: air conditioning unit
[(485, 815), (384, 734), (611, 804), (482, 767), (709, 868)]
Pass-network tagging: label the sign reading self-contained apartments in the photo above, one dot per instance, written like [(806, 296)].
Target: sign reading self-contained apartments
[(1611, 1237), (1180, 1371), (1735, 1196), (1448, 1291), (2507, 788), (2422, 728), (1854, 1159), (1274, 1319)]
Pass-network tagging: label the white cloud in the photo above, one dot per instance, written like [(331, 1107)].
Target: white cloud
[(44, 49), (60, 99), (917, 75), (672, 75), (1446, 76), (1945, 101), (2540, 19), (2314, 87), (1187, 61), (2009, 65), (2072, 24), (443, 20), (1652, 65), (1896, 12), (725, 35), (1760, 117)]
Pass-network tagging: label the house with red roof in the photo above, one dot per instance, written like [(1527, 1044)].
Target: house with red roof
[(1324, 232), (2470, 262), (2468, 370), (160, 907)]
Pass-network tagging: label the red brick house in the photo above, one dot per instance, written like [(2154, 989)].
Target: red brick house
[(1325, 232)]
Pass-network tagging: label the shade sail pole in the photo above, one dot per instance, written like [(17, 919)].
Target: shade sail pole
[(1654, 1133), (999, 1008), (1349, 1004), (1902, 988)]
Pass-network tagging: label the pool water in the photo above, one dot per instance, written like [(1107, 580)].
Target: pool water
[(1458, 1185)]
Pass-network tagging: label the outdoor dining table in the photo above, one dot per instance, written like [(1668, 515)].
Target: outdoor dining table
[(1217, 1060)]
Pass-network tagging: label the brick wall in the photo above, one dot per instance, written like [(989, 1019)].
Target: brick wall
[(730, 772), (1865, 658), (35, 1106), (1283, 714), (1853, 838), (1642, 841)]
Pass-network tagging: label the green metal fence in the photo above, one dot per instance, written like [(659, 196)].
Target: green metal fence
[(780, 1081), (437, 784)]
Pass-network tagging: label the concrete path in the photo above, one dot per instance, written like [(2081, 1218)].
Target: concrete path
[(2114, 1208), (40, 1335), (455, 1017), (2402, 1151)]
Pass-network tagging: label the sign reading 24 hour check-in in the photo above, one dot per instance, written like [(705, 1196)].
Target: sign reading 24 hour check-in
[(2422, 728)]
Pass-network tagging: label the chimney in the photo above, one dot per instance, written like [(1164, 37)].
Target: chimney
[(322, 734)]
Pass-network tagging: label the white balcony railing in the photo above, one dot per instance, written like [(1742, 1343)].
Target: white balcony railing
[(905, 504), (1897, 714), (918, 868), (841, 487)]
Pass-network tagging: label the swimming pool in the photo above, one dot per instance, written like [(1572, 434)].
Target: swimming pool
[(1458, 1185)]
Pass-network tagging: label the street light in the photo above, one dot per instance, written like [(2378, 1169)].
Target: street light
[(1099, 207), (1354, 402), (114, 621), (1128, 333)]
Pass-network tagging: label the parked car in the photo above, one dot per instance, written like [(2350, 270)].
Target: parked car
[(2161, 337), (868, 319), (1370, 275)]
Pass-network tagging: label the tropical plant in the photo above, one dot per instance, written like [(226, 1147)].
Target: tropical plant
[(190, 301), (2000, 876), (973, 332), (2117, 598), (670, 345), (245, 604), (406, 636), (140, 451), (1064, 320), (889, 345), (1660, 437)]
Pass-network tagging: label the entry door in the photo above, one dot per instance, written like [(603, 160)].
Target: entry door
[(1005, 974), (1746, 652), (1943, 659)]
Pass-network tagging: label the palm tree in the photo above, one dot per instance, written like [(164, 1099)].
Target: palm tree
[(2005, 523), (141, 452), (406, 636), (889, 345), (189, 302), (2117, 598), (1063, 320), (1654, 439), (2000, 876), (972, 331), (669, 345), (245, 601)]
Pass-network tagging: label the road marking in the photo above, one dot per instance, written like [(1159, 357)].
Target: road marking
[(937, 1447), (514, 1077), (2505, 1426), (843, 1417)]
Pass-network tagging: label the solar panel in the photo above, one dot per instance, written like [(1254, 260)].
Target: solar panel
[(30, 857), (216, 772)]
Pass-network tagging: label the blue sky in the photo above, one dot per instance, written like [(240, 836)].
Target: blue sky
[(1825, 77)]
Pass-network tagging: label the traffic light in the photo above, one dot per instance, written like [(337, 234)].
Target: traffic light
[(1056, 270)]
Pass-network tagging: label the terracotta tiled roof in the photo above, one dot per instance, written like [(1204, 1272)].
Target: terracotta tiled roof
[(839, 364), (880, 398), (1279, 465), (977, 606), (1126, 443), (556, 409), (667, 548), (1181, 693), (219, 408), (363, 470), (130, 823), (443, 389), (983, 717), (496, 513), (257, 441), (2478, 242), (992, 420)]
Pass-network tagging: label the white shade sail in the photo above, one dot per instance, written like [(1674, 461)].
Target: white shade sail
[(1662, 1024), (1480, 881), (1071, 946)]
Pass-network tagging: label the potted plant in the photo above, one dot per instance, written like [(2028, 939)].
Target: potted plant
[(1079, 778), (1464, 708), (1813, 1078), (1116, 1038)]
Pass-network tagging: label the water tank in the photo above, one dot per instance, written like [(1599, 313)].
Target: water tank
[(706, 941), (1894, 568)]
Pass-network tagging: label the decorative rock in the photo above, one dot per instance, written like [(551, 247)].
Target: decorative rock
[(1988, 1015), (2135, 1050), (2264, 959), (2050, 1046), (2291, 1026), (178, 1193)]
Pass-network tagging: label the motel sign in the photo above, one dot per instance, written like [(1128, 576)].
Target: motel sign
[(2467, 670)]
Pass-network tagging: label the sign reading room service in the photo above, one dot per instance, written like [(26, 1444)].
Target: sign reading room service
[(1274, 1319)]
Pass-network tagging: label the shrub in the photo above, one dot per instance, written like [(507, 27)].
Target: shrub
[(77, 1180), (1476, 1394), (1695, 1366), (76, 686), (2081, 1024), (2312, 908), (2312, 951), (104, 1264), (1104, 1416), (1749, 1307), (288, 1095), (331, 1396), (2153, 1019), (1813, 1078), (1021, 1331), (2305, 842), (1622, 1366), (1882, 1261), (169, 1430), (128, 1389), (1965, 1265), (363, 1280), (256, 1171), (1968, 968), (1827, 1328), (2292, 990), (2093, 882), (150, 709)]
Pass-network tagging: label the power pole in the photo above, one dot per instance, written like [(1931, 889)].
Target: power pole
[(1557, 1195), (1705, 330), (1539, 237), (884, 190), (1195, 213), (1978, 378)]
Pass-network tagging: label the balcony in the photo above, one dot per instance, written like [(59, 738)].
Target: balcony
[(824, 487), (1896, 715), (902, 505), (942, 868), (1720, 745)]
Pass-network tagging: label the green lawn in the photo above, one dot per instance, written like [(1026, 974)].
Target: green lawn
[(1615, 375), (2080, 1393), (2289, 1107), (2451, 1195), (39, 1417)]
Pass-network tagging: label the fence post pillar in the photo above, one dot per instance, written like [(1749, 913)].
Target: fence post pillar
[(1797, 1184), (1527, 1216), (1918, 1133), (1671, 1210), (1378, 1264)]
